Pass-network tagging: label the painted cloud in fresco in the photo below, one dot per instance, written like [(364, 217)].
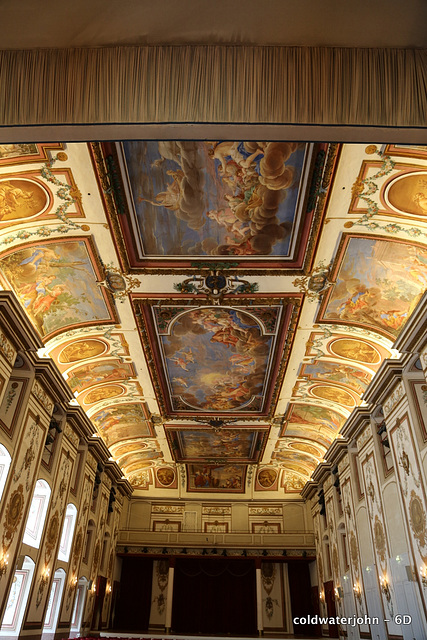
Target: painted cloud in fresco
[(214, 198), (217, 360)]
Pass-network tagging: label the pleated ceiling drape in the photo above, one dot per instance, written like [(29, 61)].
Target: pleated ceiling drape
[(217, 84)]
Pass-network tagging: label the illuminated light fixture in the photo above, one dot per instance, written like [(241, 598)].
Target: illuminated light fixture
[(73, 582), (385, 588), (423, 574), (109, 588), (357, 592), (336, 593), (322, 596), (4, 561), (44, 579)]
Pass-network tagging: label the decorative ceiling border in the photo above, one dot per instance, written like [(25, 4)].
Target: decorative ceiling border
[(105, 162), (140, 302)]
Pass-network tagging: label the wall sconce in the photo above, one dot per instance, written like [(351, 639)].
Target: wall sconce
[(357, 592), (73, 582), (44, 579), (337, 594), (108, 589), (45, 576), (322, 596), (423, 574), (385, 588), (93, 588), (4, 561)]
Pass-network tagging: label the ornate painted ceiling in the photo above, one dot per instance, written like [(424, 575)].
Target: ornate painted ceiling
[(217, 308)]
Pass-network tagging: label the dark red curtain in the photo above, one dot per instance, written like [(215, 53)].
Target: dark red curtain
[(301, 603), (214, 595), (132, 611)]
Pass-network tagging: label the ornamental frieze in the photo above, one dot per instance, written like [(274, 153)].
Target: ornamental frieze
[(265, 511), (7, 349), (40, 393), (167, 508), (394, 398)]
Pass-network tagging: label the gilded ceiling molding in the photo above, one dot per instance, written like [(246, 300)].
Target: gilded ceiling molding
[(123, 200), (149, 325)]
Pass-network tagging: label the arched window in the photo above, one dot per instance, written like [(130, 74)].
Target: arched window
[(79, 605), (5, 461), (90, 534), (37, 514), (17, 601), (67, 533), (52, 611)]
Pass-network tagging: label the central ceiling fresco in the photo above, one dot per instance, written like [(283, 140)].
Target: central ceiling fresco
[(218, 308)]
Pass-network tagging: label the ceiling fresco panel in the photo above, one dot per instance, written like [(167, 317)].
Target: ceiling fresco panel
[(267, 479), (123, 421), (11, 154), (378, 284), (56, 283), (191, 444), (366, 352), (217, 359), (313, 415), (347, 375), (25, 197), (250, 202), (228, 478), (407, 150), (71, 348), (165, 477), (101, 371)]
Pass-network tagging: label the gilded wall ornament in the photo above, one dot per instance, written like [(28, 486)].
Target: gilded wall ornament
[(51, 535), (316, 283), (417, 518), (215, 286), (13, 515), (371, 491), (96, 556), (354, 552), (335, 562), (118, 283), (379, 538), (320, 569), (404, 461)]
